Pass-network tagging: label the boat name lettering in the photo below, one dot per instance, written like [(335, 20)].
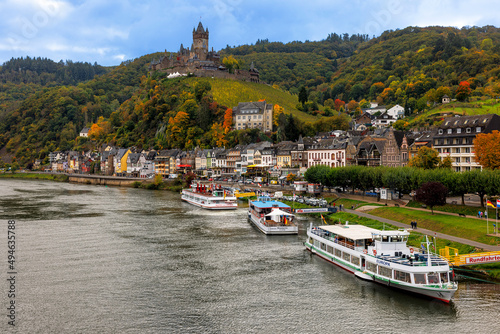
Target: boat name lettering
[(385, 263)]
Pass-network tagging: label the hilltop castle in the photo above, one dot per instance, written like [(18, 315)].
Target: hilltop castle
[(200, 62)]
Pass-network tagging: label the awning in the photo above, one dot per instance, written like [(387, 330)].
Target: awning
[(278, 212), (181, 166)]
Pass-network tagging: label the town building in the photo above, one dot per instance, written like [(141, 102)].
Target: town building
[(253, 115), (455, 138)]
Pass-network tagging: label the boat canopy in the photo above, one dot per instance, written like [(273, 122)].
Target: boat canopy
[(269, 204), (353, 232), (278, 212)]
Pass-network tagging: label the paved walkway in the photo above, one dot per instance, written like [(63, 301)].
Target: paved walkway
[(428, 232)]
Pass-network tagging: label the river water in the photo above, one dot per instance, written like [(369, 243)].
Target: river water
[(95, 259)]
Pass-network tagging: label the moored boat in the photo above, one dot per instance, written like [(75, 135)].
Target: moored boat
[(213, 197), (272, 216), (383, 257)]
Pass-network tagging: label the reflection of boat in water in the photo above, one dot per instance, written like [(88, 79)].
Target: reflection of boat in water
[(383, 257), (272, 216), (212, 197)]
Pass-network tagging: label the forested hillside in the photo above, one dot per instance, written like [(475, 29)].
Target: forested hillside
[(44, 105)]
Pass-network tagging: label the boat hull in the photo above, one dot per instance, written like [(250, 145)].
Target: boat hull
[(277, 230), (209, 202)]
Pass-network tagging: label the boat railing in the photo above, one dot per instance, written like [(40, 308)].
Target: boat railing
[(327, 236)]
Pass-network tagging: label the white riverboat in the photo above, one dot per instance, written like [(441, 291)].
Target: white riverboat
[(272, 216), (383, 257), (212, 197)]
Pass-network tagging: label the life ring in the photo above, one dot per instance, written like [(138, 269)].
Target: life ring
[(411, 250), (374, 252), (365, 251)]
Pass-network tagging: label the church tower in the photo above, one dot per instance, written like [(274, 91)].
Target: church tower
[(200, 42)]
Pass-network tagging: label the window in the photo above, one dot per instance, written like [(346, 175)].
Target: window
[(459, 130), (347, 257), (444, 277), (468, 130), (419, 278), (440, 131), (355, 260), (450, 131), (478, 129), (402, 276), (387, 272), (338, 253), (371, 267), (433, 278)]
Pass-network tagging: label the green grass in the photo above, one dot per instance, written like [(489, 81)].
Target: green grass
[(452, 208), (467, 228), (230, 92), (35, 176)]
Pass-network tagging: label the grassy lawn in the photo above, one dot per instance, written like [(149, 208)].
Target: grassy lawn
[(466, 210), (52, 177), (468, 228)]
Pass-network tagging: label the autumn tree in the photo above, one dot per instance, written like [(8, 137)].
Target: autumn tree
[(426, 158), (228, 120), (463, 91), (277, 111), (352, 105), (338, 104), (487, 149), (231, 63), (432, 194)]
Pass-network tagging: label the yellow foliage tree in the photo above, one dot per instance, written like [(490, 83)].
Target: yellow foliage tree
[(277, 111)]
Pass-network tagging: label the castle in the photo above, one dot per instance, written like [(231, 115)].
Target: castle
[(200, 62)]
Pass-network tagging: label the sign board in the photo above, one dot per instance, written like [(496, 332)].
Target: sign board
[(482, 259), (311, 210)]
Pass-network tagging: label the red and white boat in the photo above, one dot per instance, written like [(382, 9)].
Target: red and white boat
[(211, 197)]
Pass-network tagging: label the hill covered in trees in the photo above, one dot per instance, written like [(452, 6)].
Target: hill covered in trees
[(44, 104)]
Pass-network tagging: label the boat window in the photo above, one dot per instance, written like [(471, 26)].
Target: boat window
[(316, 243), (402, 276), (323, 246), (419, 278), (385, 238), (329, 249), (355, 260), (377, 238), (338, 253), (444, 277), (433, 278), (387, 272), (371, 267), (347, 257)]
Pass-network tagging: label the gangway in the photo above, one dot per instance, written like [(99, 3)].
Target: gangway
[(458, 260)]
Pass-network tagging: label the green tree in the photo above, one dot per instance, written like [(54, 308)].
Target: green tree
[(426, 158), (303, 96)]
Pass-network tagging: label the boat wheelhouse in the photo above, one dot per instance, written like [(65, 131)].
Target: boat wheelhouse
[(272, 216), (212, 197), (383, 257)]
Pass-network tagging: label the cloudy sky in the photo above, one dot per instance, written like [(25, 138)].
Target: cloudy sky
[(110, 31)]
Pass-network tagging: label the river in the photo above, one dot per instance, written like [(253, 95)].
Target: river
[(95, 259)]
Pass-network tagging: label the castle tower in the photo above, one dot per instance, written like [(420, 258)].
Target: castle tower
[(200, 42)]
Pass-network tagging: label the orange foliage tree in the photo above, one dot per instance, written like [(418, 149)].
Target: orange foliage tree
[(98, 131), (228, 120), (487, 149)]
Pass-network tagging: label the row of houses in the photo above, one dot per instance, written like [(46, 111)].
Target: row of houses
[(381, 147)]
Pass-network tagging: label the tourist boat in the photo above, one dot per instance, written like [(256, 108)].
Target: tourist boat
[(211, 197), (272, 216), (383, 257)]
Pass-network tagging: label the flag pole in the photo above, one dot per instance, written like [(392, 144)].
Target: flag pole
[(487, 225)]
